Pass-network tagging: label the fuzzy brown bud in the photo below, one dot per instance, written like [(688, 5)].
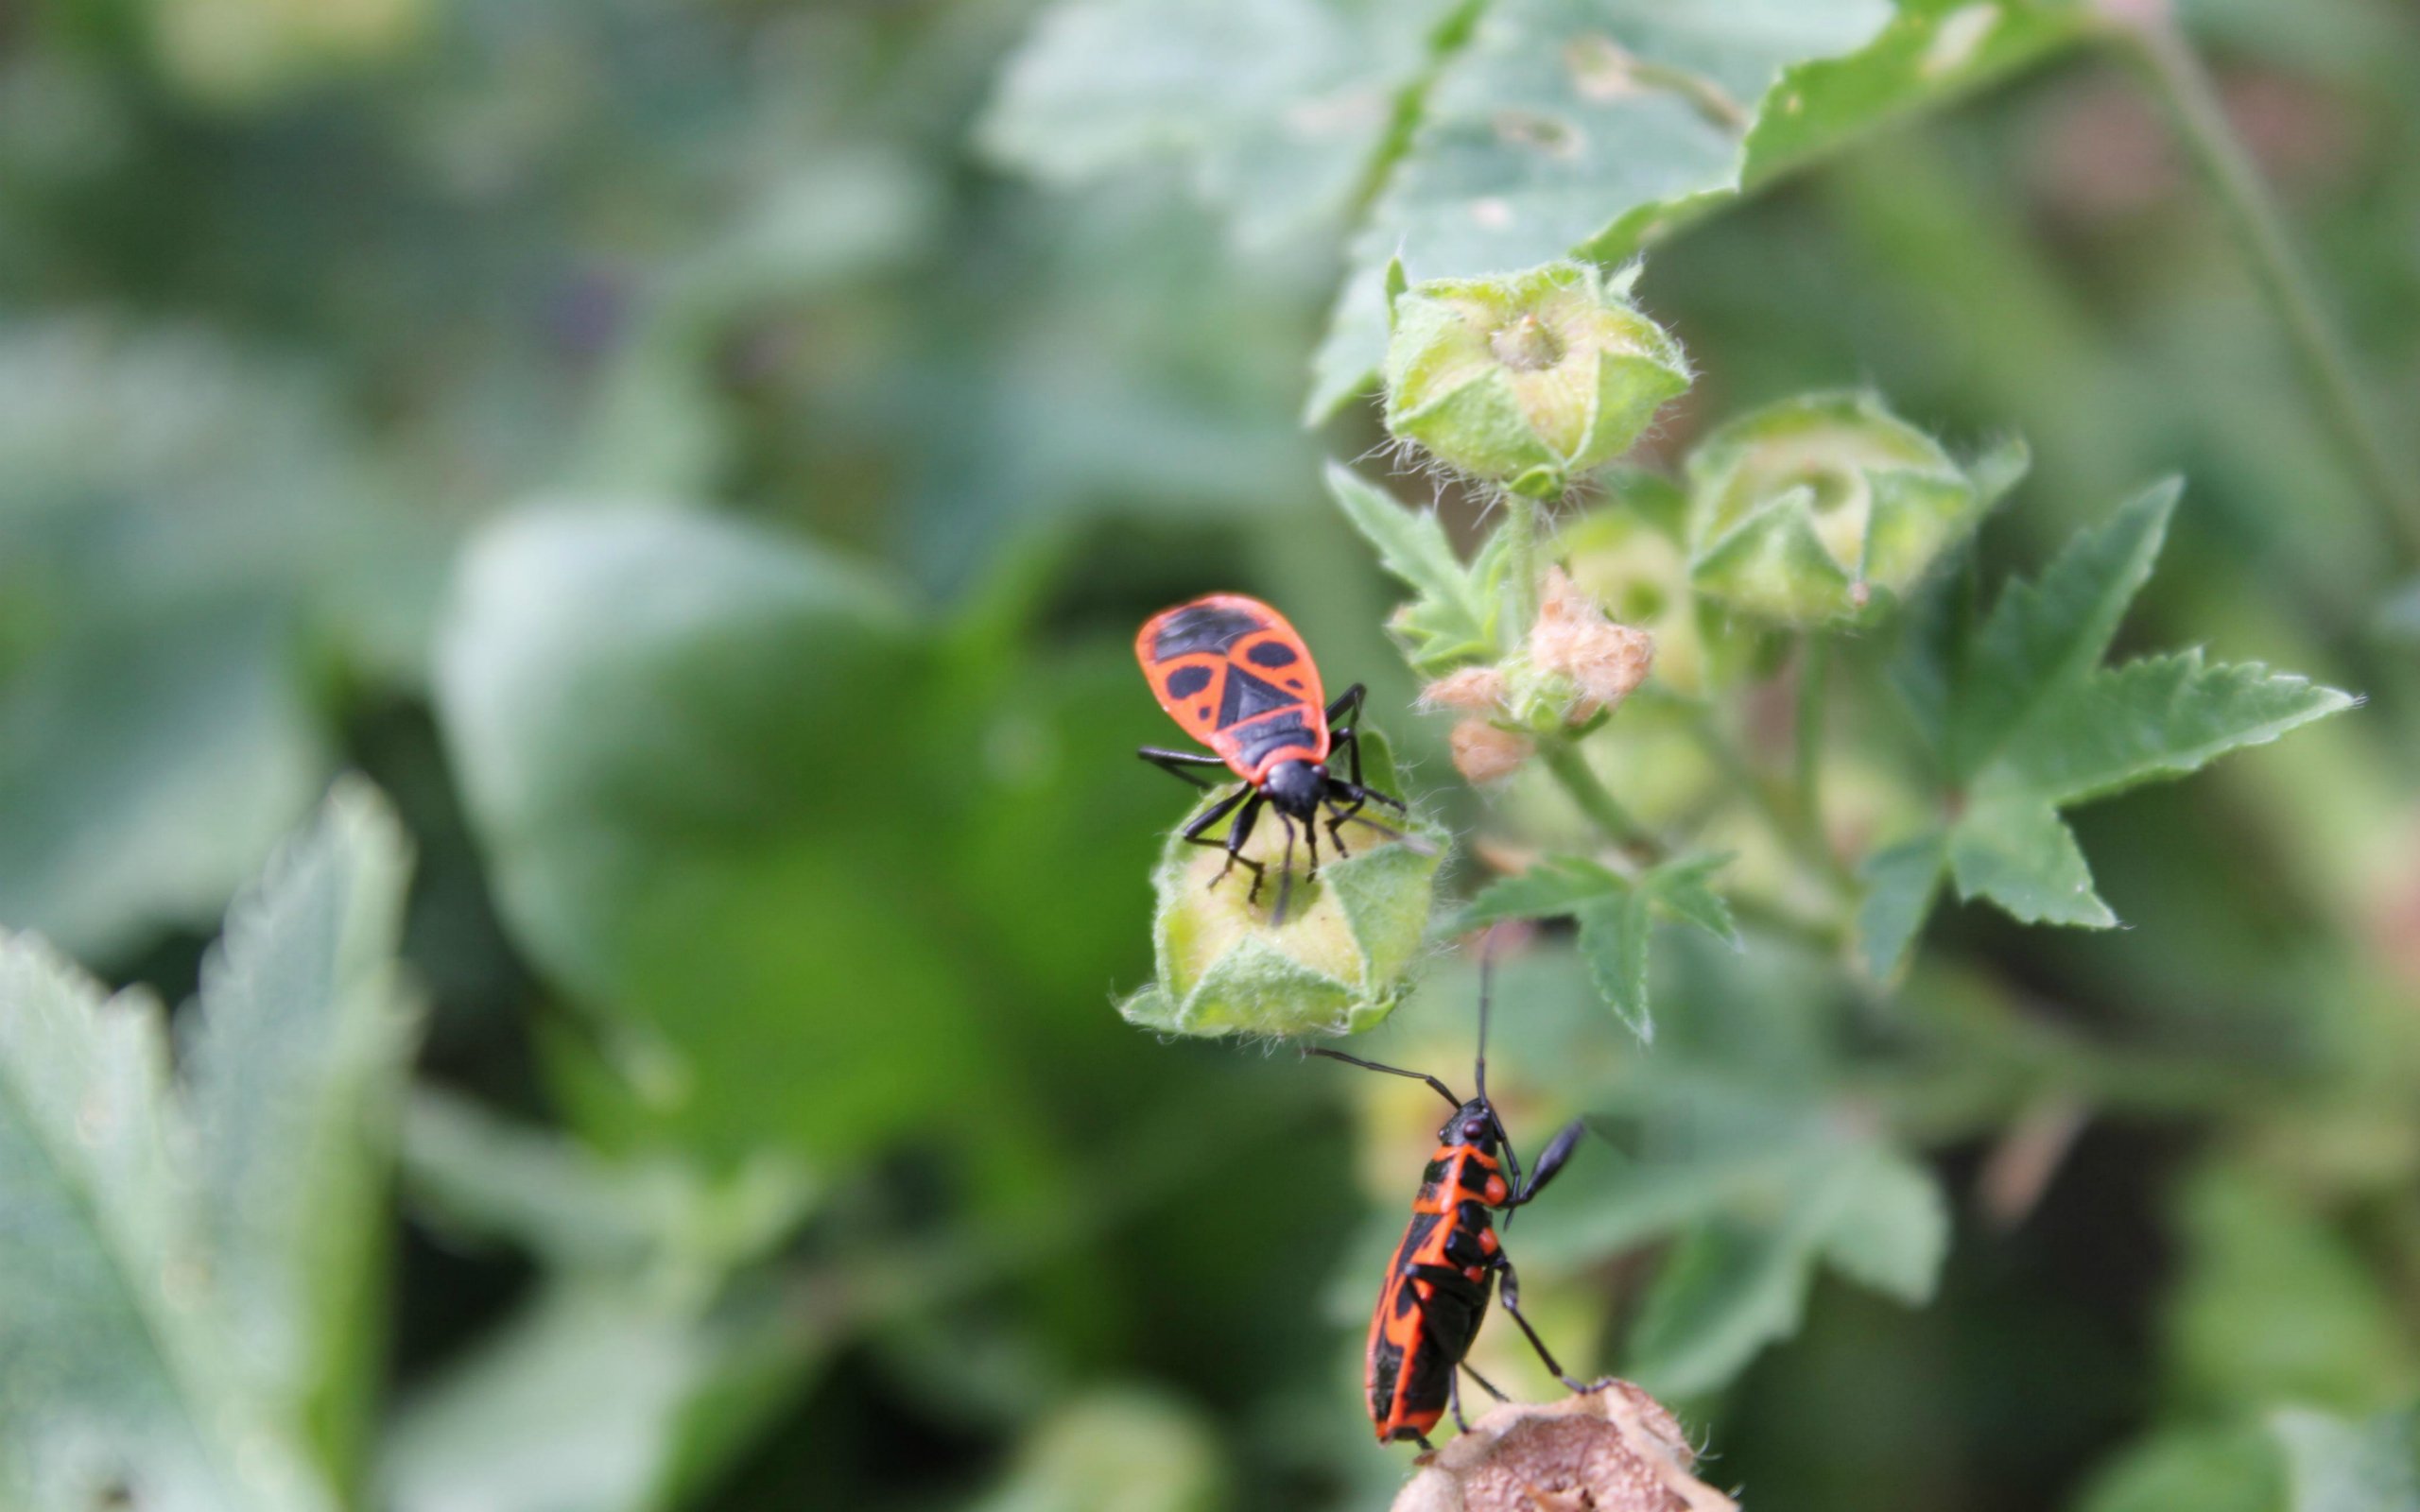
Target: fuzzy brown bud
[(1613, 1449), (1486, 754), (1472, 690), (1573, 639)]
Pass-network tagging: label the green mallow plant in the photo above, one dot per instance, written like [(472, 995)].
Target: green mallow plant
[(1643, 693)]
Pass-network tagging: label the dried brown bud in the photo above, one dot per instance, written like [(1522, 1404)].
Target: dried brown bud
[(1574, 639), (1611, 1450), (1472, 690), (1484, 754)]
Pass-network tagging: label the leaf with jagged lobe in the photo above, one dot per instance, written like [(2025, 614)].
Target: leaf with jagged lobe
[(177, 1326), (2028, 722), (1617, 915)]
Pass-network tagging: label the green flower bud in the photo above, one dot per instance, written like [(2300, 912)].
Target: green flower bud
[(1341, 960), (1824, 509), (1528, 380)]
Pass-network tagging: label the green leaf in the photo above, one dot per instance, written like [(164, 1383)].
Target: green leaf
[(584, 1401), (1683, 889), (1278, 108), (2022, 856), (1738, 1282), (2336, 1464), (1597, 127), (1613, 940), (2042, 635), (2161, 716), (185, 1290), (2272, 1303), (689, 748), (640, 1363), (296, 1068), (485, 1176), (1556, 885), (1890, 1231), (1724, 1293), (2237, 1468), (1453, 616), (2030, 723), (1901, 882), (1122, 1448), (1615, 915), (145, 772)]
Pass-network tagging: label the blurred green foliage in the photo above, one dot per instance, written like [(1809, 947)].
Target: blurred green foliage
[(705, 461)]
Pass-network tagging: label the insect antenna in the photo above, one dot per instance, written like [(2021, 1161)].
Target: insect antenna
[(1434, 1085), (1479, 1072)]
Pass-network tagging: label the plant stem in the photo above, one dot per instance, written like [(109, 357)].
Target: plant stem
[(1570, 769), (2259, 233), (1814, 673), (1525, 520)]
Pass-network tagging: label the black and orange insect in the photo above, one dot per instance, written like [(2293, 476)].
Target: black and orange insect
[(1240, 680), (1436, 1289)]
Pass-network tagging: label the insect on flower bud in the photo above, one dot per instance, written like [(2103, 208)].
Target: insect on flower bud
[(1613, 1449), (1527, 380), (1484, 754), (1825, 508), (1337, 962), (1573, 639)]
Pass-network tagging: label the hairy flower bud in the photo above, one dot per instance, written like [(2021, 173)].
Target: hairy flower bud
[(1612, 1449), (1824, 509), (1337, 963), (1484, 754), (1527, 380), (1572, 639), (1471, 690)]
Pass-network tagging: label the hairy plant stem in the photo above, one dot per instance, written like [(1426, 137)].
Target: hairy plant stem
[(2259, 233), (1570, 767), (1525, 520), (1806, 774), (1807, 847)]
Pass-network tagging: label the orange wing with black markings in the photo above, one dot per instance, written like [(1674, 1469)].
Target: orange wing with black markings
[(1237, 677)]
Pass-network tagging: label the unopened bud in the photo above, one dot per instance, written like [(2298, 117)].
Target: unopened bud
[(1472, 690), (1825, 508), (1330, 953), (1527, 380), (1484, 754), (1573, 639), (1611, 1448)]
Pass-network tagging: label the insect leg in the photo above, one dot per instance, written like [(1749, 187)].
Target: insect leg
[(1551, 1161), (1511, 1292), (1284, 874), (1347, 706), (1486, 1384), (1175, 761), (1236, 836), (1438, 1087), (1454, 1400), (1192, 833)]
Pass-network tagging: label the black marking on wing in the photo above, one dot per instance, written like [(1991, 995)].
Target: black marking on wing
[(1186, 682), (1386, 1363), (1272, 654), (1201, 628), (1257, 742), (1249, 697)]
